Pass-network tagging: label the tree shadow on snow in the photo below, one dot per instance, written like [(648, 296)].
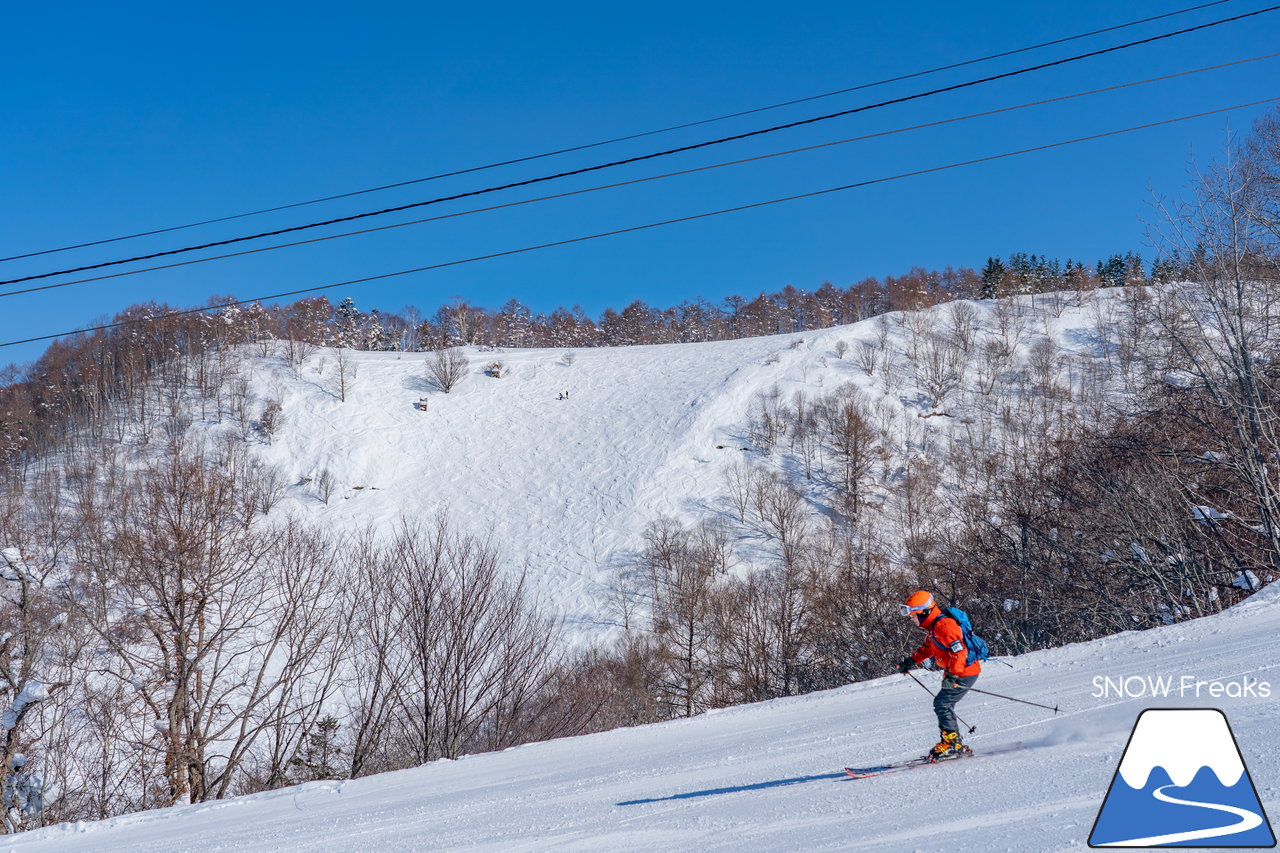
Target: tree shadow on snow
[(711, 792), (417, 384)]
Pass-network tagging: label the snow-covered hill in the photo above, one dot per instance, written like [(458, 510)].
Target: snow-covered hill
[(562, 485), (768, 776), (566, 458)]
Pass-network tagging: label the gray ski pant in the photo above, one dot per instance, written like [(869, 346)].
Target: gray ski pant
[(944, 704)]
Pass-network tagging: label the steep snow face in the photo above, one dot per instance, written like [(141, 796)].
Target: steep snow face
[(1182, 742), (565, 459), (766, 777), (563, 486)]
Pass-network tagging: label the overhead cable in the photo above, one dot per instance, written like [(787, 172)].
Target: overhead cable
[(586, 146), (634, 181), (636, 228), (642, 157)]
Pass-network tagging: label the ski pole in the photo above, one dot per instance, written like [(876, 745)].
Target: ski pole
[(1054, 709), (971, 729)]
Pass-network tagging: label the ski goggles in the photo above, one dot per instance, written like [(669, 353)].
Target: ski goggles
[(908, 610)]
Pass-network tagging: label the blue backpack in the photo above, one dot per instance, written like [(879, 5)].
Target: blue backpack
[(976, 646)]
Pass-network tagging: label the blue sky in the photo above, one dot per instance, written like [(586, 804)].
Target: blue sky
[(130, 116)]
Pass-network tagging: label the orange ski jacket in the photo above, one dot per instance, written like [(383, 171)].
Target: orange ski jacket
[(945, 645)]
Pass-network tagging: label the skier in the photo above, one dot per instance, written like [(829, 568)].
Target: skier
[(946, 646)]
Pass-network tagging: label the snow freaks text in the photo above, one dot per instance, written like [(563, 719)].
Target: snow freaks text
[(1185, 687)]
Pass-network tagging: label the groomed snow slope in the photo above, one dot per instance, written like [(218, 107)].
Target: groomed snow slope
[(768, 776)]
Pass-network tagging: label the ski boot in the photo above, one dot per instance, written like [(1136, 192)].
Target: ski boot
[(949, 747)]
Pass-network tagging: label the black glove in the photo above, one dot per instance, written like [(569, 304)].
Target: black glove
[(950, 681), (906, 666)]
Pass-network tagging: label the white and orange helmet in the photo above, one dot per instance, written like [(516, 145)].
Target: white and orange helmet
[(918, 604)]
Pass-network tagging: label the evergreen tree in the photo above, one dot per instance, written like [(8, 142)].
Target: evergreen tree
[(375, 334), (1133, 270), (515, 324), (1167, 269), (347, 331), (992, 275), (319, 752), (1022, 266), (1113, 272)]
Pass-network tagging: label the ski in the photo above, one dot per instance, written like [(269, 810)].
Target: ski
[(912, 764)]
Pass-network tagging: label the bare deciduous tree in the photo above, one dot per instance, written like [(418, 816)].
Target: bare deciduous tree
[(344, 375), (271, 419), (939, 366), (783, 513), (869, 355), (325, 484), (460, 651), (740, 485), (218, 628), (446, 368), (765, 423), (1222, 328), (962, 317), (851, 439), (681, 569)]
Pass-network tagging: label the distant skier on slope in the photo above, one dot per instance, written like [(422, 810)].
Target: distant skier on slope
[(946, 645)]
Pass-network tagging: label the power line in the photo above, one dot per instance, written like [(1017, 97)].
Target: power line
[(647, 179), (644, 227), (642, 157), (617, 139)]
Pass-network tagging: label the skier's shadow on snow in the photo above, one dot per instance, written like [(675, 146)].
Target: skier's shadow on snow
[(711, 792)]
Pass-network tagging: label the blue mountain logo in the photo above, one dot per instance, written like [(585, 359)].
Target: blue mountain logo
[(1182, 783)]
